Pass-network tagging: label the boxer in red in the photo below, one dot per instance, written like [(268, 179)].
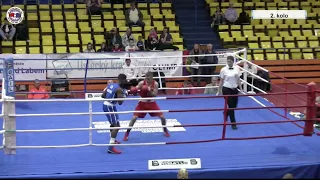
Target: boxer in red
[(148, 88)]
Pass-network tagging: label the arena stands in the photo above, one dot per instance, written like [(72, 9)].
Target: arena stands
[(67, 28), (292, 39)]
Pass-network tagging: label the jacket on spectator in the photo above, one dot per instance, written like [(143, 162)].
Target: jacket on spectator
[(210, 59), (197, 59), (125, 39), (41, 89), (128, 14)]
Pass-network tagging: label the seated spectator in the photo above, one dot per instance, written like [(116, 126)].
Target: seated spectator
[(132, 46), (134, 16), (166, 41), (113, 38), (116, 48), (218, 18), (7, 31), (153, 40), (94, 7), (39, 91), (243, 18), (196, 70), (250, 78), (183, 174), (131, 72), (288, 176), (126, 37), (140, 44), (212, 88), (103, 48), (231, 14), (89, 49), (209, 70), (185, 84)]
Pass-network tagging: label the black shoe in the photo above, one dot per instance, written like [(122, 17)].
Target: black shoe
[(234, 127)]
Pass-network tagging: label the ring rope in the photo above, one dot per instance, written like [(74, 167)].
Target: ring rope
[(144, 127), (158, 111)]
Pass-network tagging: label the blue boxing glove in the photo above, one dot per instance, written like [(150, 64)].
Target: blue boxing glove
[(124, 93)]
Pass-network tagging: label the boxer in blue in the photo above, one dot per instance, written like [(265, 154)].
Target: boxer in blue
[(113, 91)]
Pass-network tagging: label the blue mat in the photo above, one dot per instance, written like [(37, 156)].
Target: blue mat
[(266, 158)]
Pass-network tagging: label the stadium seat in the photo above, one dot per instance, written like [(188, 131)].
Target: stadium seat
[(34, 50)]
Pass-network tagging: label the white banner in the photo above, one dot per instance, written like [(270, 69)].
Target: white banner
[(163, 164), (24, 68), (111, 65)]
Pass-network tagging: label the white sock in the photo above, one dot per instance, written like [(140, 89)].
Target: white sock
[(112, 140)]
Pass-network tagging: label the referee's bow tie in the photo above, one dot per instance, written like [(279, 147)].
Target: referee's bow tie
[(230, 67)]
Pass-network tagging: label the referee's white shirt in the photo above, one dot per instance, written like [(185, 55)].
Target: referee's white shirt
[(130, 71), (230, 76)]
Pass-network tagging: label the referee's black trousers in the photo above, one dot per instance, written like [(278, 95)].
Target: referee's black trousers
[(232, 101)]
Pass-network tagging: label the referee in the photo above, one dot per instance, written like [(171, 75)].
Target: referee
[(229, 82)]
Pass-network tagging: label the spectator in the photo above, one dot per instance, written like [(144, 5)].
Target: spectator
[(134, 16), (116, 48), (126, 37), (114, 38), (251, 78), (38, 91), (231, 14), (110, 81), (166, 41), (185, 84), (183, 174), (7, 31), (288, 176), (243, 18), (140, 44), (218, 18), (94, 7), (103, 48), (209, 70), (131, 72), (89, 49), (132, 46), (213, 87), (153, 40), (195, 61)]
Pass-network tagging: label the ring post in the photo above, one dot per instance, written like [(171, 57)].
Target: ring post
[(85, 77), (9, 122), (90, 122), (245, 75), (160, 81), (311, 110), (225, 112)]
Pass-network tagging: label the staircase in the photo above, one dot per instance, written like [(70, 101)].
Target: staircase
[(192, 31)]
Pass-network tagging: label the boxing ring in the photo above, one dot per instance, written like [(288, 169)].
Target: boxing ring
[(67, 138)]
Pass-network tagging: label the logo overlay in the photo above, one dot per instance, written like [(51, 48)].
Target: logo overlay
[(192, 163), (93, 96), (141, 123), (15, 15)]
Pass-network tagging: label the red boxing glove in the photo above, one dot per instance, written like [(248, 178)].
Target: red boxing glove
[(144, 91), (133, 90)]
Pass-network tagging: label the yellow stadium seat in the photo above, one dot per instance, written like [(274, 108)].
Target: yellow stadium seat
[(302, 44), (166, 5), (289, 45), (308, 56), (33, 36), (106, 6), (314, 44), (74, 49), (277, 39), (71, 26), (296, 33), (57, 16), (86, 38), (56, 6), (69, 6), (272, 56), (21, 50), (81, 6), (301, 21), (73, 39), (307, 33), (107, 16), (45, 24), (60, 36), (99, 39), (284, 33), (47, 40), (47, 49), (252, 39), (45, 16), (236, 34), (70, 16), (136, 29), (223, 35), (258, 57), (58, 26), (289, 21), (278, 21), (169, 16), (34, 43), (61, 49), (84, 27), (296, 56), (118, 6), (108, 25), (121, 23), (34, 50), (21, 43), (83, 17), (265, 45), (136, 35), (253, 45), (283, 56), (154, 11), (277, 44), (33, 30)]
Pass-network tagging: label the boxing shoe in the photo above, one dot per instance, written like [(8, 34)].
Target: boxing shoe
[(166, 132), (113, 150), (126, 136)]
